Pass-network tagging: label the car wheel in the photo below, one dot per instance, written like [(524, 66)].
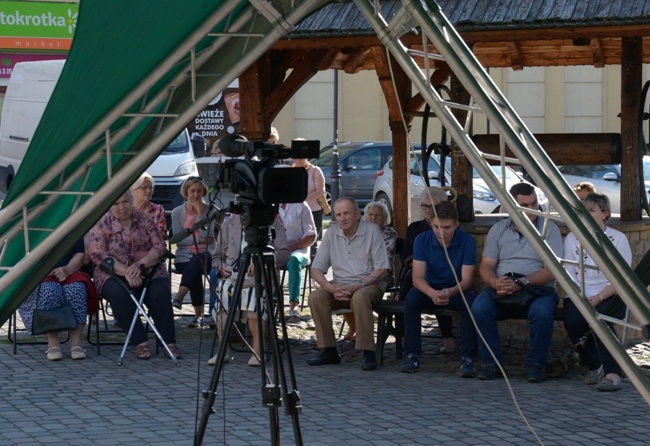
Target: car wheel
[(383, 199)]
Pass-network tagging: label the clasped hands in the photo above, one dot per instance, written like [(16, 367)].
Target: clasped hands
[(440, 297), (504, 286), (344, 292), (133, 275)]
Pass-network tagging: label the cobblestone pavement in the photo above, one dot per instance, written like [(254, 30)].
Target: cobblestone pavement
[(95, 401)]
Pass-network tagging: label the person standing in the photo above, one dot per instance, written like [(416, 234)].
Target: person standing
[(315, 189)]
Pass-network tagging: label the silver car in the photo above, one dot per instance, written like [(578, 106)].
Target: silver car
[(606, 178), (484, 200)]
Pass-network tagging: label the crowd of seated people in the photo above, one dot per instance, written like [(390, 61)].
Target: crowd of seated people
[(440, 260)]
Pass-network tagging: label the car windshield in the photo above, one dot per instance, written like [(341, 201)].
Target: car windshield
[(178, 145), (326, 155), (509, 173)]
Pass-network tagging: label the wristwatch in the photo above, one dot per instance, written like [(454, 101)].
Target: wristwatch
[(526, 280)]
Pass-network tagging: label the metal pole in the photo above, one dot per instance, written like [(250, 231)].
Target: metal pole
[(335, 172)]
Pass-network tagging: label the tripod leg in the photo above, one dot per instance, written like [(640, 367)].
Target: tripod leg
[(211, 393)]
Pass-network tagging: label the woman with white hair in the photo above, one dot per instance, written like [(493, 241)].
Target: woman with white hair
[(142, 192), (377, 213)]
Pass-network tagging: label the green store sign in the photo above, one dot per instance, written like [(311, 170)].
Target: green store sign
[(38, 19)]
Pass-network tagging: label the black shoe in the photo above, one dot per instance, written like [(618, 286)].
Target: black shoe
[(411, 364), (536, 374), (490, 372), (177, 304), (326, 357), (467, 369), (369, 362)]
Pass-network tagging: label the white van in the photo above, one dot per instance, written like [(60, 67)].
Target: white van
[(29, 89)]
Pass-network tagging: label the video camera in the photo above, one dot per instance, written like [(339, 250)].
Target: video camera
[(257, 183), (258, 180)]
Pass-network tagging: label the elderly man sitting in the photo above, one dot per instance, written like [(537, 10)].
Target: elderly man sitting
[(355, 251)]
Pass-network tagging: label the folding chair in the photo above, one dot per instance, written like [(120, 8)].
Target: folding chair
[(107, 266)]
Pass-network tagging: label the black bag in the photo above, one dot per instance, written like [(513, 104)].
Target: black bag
[(525, 295), (57, 319)]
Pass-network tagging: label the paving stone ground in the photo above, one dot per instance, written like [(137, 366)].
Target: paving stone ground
[(152, 402), (95, 401)]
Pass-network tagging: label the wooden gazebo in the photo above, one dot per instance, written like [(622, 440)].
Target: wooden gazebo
[(508, 33)]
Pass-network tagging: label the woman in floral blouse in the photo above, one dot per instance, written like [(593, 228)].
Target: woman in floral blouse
[(130, 237)]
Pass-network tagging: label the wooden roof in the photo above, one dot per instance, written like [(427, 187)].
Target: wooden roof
[(504, 33)]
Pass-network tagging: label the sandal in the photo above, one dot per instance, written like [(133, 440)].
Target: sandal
[(77, 352), (174, 349), (350, 336), (608, 385), (143, 352), (54, 353)]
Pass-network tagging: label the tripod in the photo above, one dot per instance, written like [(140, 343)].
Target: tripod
[(274, 391)]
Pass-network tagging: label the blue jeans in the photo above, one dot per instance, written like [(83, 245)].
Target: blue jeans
[(487, 312), (296, 263), (416, 302)]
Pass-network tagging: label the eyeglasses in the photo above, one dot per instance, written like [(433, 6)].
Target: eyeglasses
[(426, 207)]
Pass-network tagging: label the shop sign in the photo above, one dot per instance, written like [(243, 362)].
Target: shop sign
[(8, 61), (37, 25), (219, 118)]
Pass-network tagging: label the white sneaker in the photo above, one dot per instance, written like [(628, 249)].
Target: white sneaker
[(294, 313), (212, 361), (254, 362)]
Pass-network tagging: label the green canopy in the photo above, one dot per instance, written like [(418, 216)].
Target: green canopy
[(132, 81)]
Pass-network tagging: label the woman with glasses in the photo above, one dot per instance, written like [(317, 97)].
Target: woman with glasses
[(131, 239), (193, 253), (142, 191)]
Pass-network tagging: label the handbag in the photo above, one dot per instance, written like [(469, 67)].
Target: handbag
[(324, 205), (60, 318), (525, 295)]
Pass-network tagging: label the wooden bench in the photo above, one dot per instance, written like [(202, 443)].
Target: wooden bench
[(390, 321)]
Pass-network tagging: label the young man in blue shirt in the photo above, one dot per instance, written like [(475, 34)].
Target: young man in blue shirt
[(437, 285)]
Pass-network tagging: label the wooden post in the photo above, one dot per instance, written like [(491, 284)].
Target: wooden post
[(401, 180), (253, 89), (631, 83), (461, 168)]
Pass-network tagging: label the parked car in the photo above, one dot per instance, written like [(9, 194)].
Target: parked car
[(606, 178), (359, 163), (484, 200)]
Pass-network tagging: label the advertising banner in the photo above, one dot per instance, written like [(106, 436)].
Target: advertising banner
[(37, 25), (219, 118), (8, 61)]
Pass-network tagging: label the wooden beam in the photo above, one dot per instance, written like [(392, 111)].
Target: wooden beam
[(253, 88), (461, 168), (439, 77), (631, 82), (306, 69), (597, 51), (396, 87), (516, 60)]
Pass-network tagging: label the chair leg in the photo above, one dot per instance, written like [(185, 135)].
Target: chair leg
[(381, 338), (399, 334)]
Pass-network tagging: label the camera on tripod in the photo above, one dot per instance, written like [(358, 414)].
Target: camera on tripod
[(259, 186)]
